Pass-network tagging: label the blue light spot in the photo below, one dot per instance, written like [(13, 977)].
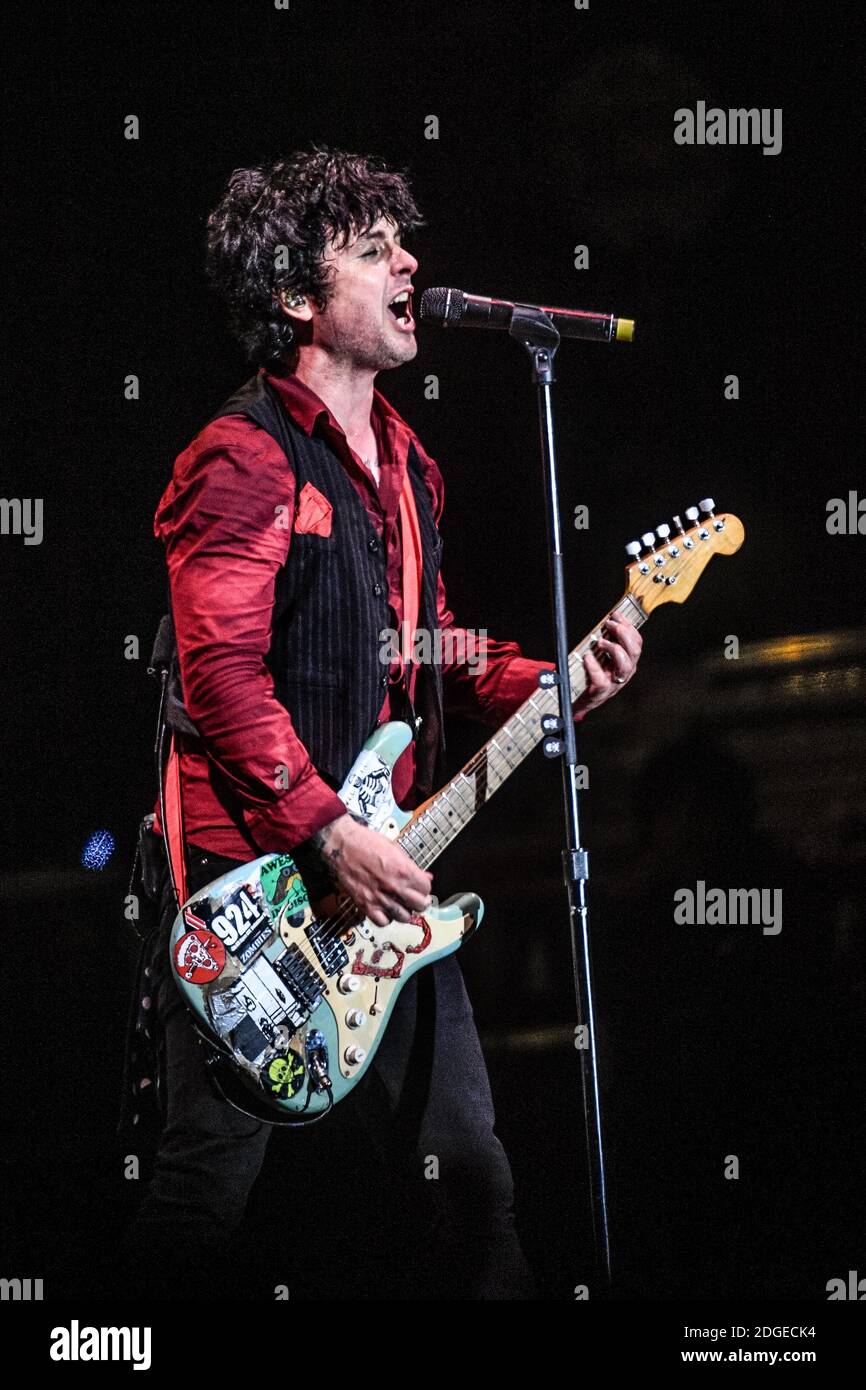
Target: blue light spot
[(98, 850)]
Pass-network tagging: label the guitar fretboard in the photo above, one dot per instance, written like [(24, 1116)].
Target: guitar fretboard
[(452, 808)]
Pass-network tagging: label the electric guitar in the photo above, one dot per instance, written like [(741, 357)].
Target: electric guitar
[(293, 998)]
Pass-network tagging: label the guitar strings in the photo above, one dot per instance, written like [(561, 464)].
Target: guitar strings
[(341, 921), (349, 914)]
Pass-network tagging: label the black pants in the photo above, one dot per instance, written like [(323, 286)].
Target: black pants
[(412, 1148)]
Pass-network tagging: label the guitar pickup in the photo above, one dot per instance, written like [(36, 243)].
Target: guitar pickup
[(330, 951)]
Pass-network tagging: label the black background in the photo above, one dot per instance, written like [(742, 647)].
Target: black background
[(555, 129)]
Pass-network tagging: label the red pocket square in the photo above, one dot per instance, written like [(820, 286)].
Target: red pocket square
[(313, 513)]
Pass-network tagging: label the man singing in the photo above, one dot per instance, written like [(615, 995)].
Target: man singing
[(285, 555)]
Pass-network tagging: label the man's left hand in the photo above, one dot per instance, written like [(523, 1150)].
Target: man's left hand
[(611, 664)]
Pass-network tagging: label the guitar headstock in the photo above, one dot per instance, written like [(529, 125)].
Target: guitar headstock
[(672, 565)]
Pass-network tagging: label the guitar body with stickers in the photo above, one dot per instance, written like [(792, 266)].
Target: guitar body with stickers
[(293, 998)]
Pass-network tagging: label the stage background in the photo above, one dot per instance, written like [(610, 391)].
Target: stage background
[(555, 129)]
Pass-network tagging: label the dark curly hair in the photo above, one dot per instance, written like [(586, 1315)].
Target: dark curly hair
[(298, 204)]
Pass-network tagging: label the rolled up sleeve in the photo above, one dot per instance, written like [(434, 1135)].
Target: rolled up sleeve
[(226, 524)]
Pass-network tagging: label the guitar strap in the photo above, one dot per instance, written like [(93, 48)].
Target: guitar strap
[(173, 830), (411, 536)]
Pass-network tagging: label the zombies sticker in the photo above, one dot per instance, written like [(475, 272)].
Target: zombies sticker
[(199, 957), (252, 944), (240, 920)]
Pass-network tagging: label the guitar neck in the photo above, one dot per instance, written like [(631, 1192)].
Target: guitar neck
[(441, 819)]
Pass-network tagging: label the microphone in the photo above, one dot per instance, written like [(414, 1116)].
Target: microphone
[(454, 309)]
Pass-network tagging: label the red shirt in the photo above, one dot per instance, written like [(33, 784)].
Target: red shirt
[(223, 550)]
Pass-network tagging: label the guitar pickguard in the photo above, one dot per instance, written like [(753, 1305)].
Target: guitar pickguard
[(376, 962)]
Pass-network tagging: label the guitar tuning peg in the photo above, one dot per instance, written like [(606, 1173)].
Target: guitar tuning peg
[(679, 526), (707, 505), (633, 549), (648, 539), (663, 531), (691, 513)]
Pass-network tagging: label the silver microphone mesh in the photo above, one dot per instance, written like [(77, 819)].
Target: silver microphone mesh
[(442, 306)]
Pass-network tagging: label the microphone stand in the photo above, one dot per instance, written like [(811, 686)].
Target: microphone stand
[(535, 330)]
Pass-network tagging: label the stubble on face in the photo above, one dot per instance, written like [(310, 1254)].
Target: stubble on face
[(355, 331)]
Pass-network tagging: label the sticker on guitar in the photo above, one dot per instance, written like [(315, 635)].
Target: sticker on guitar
[(367, 789), (199, 957), (374, 962), (240, 921)]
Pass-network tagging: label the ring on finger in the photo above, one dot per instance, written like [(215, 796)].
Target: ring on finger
[(611, 662)]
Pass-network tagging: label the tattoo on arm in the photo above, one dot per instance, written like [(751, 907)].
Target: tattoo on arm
[(321, 838)]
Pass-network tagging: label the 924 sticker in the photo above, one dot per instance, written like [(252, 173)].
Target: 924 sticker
[(242, 923)]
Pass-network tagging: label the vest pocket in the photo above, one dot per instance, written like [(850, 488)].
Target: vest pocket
[(309, 553)]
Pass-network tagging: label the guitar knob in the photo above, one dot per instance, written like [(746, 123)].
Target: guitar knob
[(633, 549), (356, 1018), (354, 1055), (691, 513), (648, 539), (707, 505), (347, 984), (663, 531), (679, 526)]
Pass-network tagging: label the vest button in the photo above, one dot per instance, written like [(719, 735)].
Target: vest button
[(377, 589), (373, 544)]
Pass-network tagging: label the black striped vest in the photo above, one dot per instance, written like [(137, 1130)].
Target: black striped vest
[(331, 606)]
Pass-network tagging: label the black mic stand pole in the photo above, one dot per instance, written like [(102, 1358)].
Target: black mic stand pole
[(535, 330)]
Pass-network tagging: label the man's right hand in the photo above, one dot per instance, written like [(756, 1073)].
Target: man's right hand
[(378, 873)]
